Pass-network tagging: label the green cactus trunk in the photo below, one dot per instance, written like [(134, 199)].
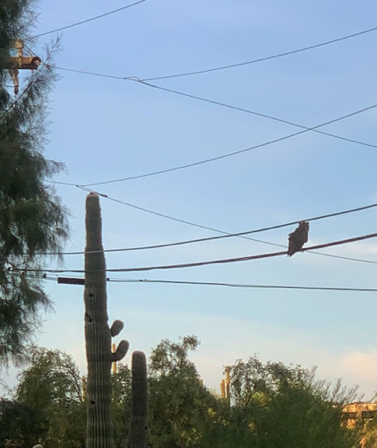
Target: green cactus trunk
[(137, 437), (99, 433), (99, 429)]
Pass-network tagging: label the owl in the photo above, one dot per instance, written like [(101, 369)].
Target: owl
[(298, 238)]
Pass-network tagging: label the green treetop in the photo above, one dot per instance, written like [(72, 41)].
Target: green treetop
[(33, 220)]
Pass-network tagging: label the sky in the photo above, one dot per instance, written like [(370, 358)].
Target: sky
[(105, 128)]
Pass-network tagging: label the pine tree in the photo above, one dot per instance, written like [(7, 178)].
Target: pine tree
[(32, 218)]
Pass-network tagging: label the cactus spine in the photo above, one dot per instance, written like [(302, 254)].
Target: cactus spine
[(99, 430)]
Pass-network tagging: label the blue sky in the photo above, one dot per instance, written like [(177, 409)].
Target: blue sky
[(105, 129)]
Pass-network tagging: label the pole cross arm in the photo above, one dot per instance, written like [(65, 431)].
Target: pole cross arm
[(24, 62)]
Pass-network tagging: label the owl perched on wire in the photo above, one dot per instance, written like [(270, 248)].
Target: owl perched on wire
[(298, 238)]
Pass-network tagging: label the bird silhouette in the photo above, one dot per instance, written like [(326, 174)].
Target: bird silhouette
[(298, 238)]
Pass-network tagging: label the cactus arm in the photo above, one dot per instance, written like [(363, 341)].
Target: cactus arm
[(116, 328), (121, 351)]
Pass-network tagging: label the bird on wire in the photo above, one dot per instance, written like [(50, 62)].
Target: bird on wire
[(298, 238)]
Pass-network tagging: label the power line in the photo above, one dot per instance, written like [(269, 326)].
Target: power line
[(314, 129), (238, 259), (279, 55), (221, 67), (243, 285), (154, 173), (205, 263), (218, 237), (89, 20), (81, 281), (218, 103), (213, 229), (186, 222), (341, 257), (189, 165), (70, 184), (212, 159), (83, 72), (201, 227), (259, 114)]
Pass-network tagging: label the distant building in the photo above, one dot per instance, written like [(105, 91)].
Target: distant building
[(359, 411)]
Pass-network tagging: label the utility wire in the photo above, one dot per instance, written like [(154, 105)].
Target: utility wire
[(81, 281), (214, 102), (89, 20), (213, 229), (154, 173), (222, 67), (204, 263), (186, 222), (212, 159), (83, 72), (252, 112), (218, 237), (198, 226), (243, 285), (314, 129), (279, 55)]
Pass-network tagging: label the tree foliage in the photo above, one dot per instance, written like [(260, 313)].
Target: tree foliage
[(179, 403), (48, 404), (121, 404), (33, 220), (272, 405), (285, 407), (19, 423)]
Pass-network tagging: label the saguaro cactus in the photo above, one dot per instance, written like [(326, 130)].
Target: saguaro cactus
[(99, 431), (137, 437)]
